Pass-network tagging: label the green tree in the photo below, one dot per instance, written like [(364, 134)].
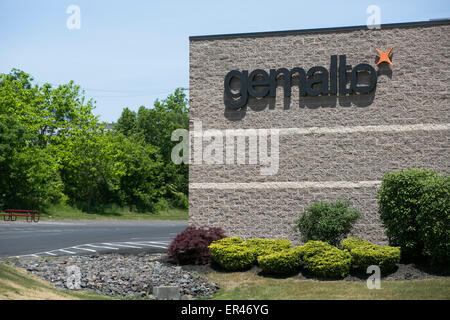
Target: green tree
[(155, 126), (28, 168), (37, 124), (144, 181), (53, 148), (90, 170), (127, 122)]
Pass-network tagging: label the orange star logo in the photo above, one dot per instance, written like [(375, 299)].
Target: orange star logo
[(384, 56)]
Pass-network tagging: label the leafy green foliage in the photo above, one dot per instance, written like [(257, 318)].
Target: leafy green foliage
[(34, 125), (351, 243), (154, 127), (324, 260), (328, 222), (267, 246), (142, 183), (232, 254), (434, 221), (414, 207), (365, 253), (230, 241), (53, 149), (385, 257), (284, 262)]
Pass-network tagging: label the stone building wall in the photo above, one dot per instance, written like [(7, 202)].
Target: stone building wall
[(330, 147)]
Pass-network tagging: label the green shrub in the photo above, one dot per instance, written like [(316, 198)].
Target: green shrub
[(284, 262), (162, 205), (179, 200), (328, 222), (385, 257), (365, 253), (231, 254), (229, 240), (434, 221), (262, 247), (324, 260), (351, 243), (414, 207)]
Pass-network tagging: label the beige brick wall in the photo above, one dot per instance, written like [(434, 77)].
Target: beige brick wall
[(329, 144)]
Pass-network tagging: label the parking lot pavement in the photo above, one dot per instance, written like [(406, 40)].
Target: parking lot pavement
[(55, 238)]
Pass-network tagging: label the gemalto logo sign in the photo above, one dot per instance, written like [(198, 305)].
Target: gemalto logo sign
[(316, 81)]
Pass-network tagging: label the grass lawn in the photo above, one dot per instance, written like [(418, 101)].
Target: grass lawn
[(250, 286), (59, 212), (17, 284)]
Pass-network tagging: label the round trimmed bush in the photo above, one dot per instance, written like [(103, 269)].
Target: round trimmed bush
[(414, 207), (351, 243), (326, 221), (284, 262), (365, 253), (191, 245), (262, 247), (232, 254), (434, 221), (229, 241), (324, 260), (385, 257)]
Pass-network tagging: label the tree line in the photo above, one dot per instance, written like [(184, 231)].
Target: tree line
[(54, 150)]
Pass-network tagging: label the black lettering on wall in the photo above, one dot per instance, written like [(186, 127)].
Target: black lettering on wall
[(317, 81)]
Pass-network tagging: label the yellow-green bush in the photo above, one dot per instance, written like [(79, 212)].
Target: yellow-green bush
[(351, 243), (324, 260), (231, 254), (283, 262), (229, 240), (365, 253), (385, 257), (262, 247), (311, 248)]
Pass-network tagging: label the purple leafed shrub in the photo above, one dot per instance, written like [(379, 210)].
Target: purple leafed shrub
[(191, 245)]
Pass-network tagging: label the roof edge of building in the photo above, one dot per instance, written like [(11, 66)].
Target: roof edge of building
[(432, 22)]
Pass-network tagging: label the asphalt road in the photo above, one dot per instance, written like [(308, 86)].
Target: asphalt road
[(47, 238)]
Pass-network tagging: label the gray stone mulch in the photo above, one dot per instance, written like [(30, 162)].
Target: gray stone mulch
[(132, 276)]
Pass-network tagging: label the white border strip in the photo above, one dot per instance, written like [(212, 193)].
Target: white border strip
[(333, 130), (356, 129), (285, 185)]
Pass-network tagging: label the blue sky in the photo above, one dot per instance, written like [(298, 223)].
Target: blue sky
[(129, 53)]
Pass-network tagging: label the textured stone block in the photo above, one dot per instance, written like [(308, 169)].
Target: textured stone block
[(330, 147), (167, 293)]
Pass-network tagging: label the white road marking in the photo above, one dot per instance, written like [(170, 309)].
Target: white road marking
[(121, 245), (157, 242), (103, 247), (148, 245), (66, 251), (27, 255), (77, 247)]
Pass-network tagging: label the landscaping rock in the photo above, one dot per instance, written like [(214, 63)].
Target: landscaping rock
[(132, 276), (167, 293)]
